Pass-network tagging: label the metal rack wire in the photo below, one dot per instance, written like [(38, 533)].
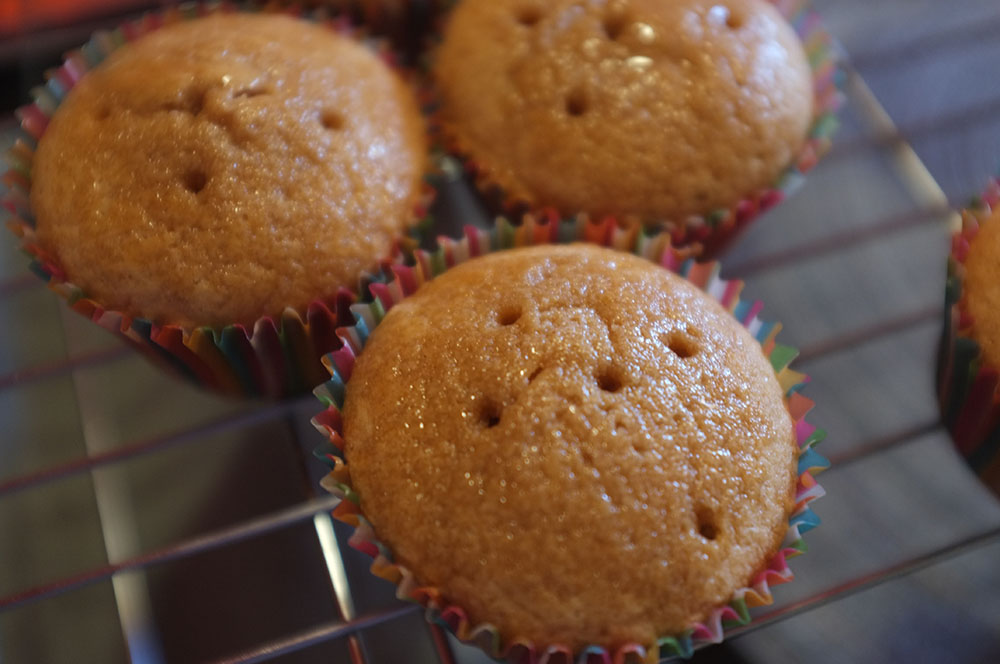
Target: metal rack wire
[(126, 417)]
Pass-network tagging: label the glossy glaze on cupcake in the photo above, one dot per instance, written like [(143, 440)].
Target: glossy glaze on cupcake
[(657, 111), (573, 444), (224, 169)]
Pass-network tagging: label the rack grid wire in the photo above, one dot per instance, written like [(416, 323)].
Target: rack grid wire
[(143, 520)]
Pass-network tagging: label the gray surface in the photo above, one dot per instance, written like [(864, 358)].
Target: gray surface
[(926, 60)]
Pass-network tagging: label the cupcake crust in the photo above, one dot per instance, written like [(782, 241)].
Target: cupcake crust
[(573, 444), (980, 290), (222, 169), (634, 108)]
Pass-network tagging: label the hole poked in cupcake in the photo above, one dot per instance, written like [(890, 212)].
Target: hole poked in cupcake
[(195, 180), (577, 102), (615, 22), (706, 522), (331, 119), (489, 412), (508, 314), (681, 344), (722, 15), (610, 379), (529, 15)]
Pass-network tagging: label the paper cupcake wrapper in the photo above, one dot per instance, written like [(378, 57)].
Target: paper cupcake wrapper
[(708, 235), (275, 357), (397, 281), (968, 387)]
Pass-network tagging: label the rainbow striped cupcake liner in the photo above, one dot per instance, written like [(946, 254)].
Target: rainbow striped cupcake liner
[(399, 280), (968, 388), (277, 356), (709, 235)]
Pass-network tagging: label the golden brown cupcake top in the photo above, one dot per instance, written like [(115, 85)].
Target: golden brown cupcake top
[(223, 169), (648, 108), (574, 444), (981, 288)]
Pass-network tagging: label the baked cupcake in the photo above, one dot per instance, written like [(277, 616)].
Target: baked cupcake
[(969, 363), (228, 173), (567, 447), (668, 113)]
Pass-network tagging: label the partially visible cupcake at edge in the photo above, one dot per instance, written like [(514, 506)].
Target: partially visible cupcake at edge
[(222, 170), (648, 111), (572, 445), (969, 365)]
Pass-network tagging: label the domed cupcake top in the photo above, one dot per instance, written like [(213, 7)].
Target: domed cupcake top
[(572, 443), (221, 169), (658, 110)]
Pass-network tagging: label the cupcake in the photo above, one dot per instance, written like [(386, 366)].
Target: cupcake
[(225, 174), (666, 113), (969, 363), (566, 448)]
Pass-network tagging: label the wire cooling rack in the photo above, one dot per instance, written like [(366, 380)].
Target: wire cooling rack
[(142, 520)]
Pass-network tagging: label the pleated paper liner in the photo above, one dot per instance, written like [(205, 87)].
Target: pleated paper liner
[(278, 355), (397, 281), (968, 387), (708, 235)]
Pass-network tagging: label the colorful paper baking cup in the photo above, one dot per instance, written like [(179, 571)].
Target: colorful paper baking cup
[(276, 356), (707, 234), (397, 281), (968, 386)]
